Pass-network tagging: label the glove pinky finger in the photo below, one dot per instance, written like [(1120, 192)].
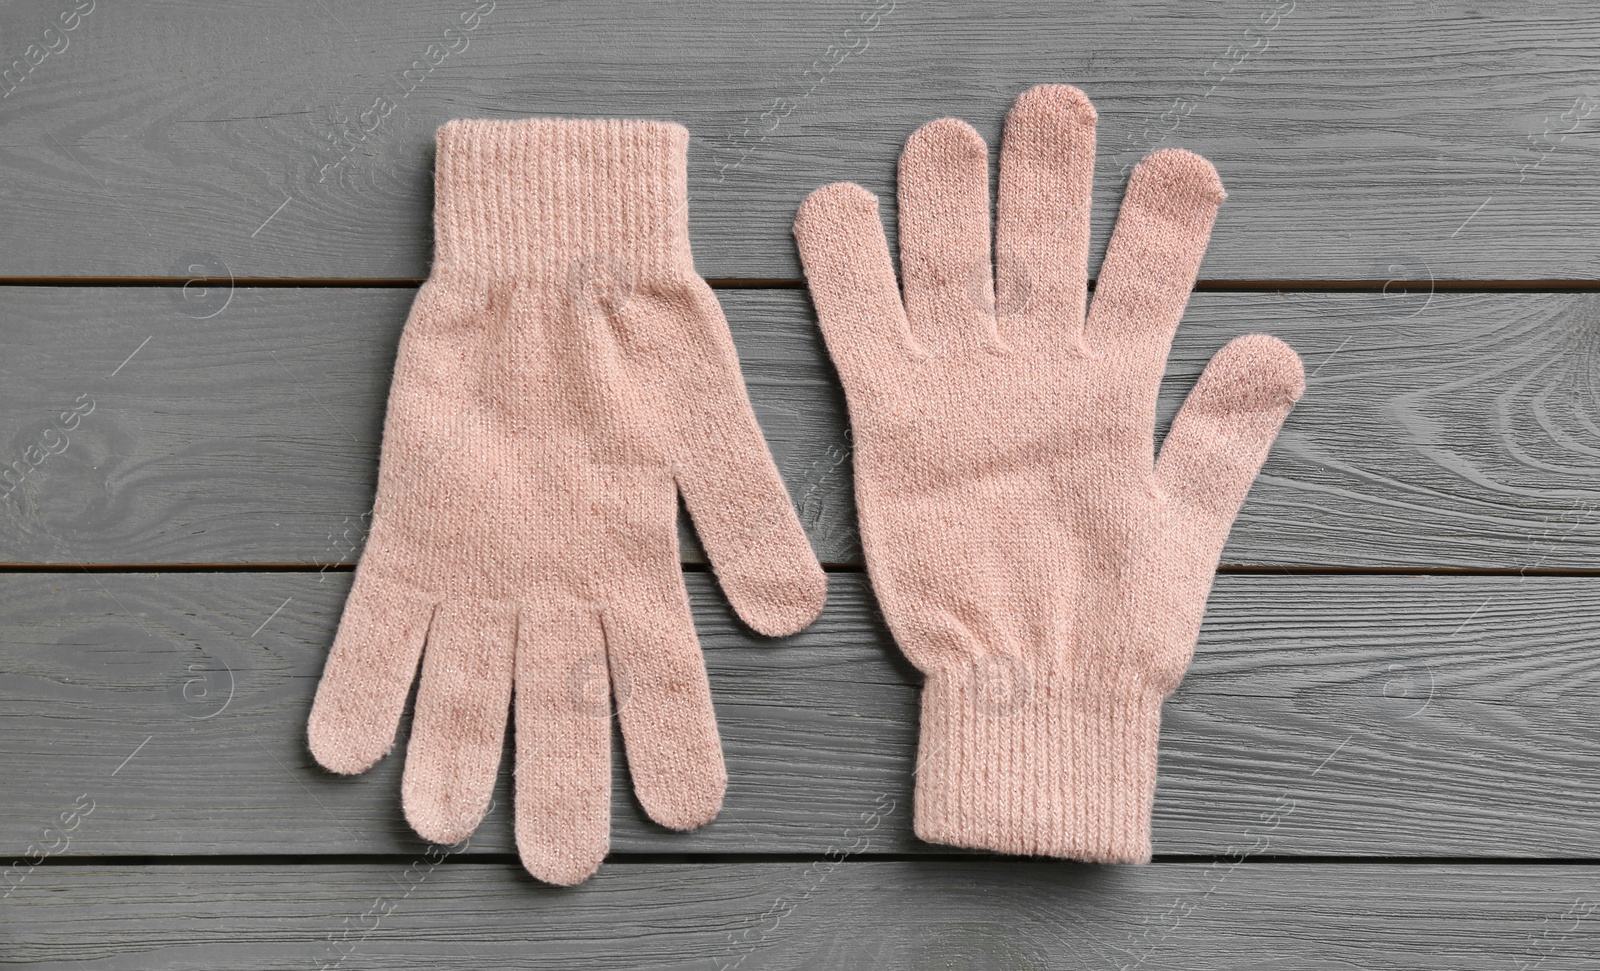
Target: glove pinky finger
[(851, 278), (368, 675)]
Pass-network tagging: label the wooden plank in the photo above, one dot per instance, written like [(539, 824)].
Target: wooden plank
[(1450, 431), (293, 141), (855, 914), (1375, 715)]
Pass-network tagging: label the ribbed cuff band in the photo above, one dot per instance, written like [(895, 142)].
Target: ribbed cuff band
[(531, 197), (1036, 765)]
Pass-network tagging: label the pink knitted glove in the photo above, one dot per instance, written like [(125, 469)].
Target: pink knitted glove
[(1033, 557), (563, 376)]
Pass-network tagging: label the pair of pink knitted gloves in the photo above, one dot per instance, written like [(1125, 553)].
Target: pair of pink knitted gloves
[(565, 375)]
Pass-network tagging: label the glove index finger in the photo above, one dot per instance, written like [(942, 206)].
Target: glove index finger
[(1152, 262)]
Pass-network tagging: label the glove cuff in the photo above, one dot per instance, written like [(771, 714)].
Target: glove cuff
[(1042, 765), (542, 198)]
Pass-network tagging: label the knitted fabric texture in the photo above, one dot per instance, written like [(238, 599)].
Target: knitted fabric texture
[(564, 374), (1032, 556)]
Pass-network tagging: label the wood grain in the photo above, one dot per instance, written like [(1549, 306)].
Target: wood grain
[(1383, 756), (1446, 140), (789, 915), (1447, 430), (1377, 716)]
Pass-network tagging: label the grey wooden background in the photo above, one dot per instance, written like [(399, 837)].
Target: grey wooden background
[(1386, 755)]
